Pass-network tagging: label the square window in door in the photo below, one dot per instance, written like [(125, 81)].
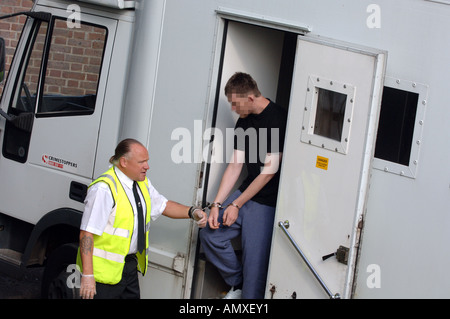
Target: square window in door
[(328, 114)]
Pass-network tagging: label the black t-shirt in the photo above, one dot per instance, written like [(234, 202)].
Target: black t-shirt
[(257, 135)]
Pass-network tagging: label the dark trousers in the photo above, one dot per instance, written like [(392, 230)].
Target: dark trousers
[(255, 225), (128, 286)]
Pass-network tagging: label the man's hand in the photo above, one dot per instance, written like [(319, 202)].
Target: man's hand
[(87, 289), (200, 217), (213, 218), (230, 215)]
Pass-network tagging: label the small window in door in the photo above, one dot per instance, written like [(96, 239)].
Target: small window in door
[(73, 70), (328, 114), (400, 127)]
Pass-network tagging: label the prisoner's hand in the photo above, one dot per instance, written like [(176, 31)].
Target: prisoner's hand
[(213, 218), (230, 215)]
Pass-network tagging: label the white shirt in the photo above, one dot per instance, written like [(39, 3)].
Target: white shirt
[(99, 204)]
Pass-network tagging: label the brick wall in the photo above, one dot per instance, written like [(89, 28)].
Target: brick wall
[(11, 28)]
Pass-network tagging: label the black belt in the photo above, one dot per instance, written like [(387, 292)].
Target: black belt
[(131, 257)]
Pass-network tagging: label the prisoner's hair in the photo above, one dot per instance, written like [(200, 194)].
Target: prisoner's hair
[(242, 83), (122, 149)]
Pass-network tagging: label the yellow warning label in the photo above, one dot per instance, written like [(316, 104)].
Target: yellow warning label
[(322, 162)]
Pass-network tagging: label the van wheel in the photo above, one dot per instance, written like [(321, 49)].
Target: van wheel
[(58, 274)]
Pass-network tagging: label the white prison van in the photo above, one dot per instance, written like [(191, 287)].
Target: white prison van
[(364, 200)]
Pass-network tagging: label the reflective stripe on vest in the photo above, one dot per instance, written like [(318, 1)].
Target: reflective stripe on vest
[(111, 230), (108, 255)]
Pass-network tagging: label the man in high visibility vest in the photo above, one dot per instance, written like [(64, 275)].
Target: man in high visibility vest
[(114, 229)]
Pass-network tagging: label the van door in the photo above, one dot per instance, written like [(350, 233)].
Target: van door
[(328, 151), (55, 88)]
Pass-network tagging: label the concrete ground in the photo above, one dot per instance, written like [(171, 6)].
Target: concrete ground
[(28, 287)]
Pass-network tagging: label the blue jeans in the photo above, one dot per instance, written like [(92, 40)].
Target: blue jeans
[(255, 225)]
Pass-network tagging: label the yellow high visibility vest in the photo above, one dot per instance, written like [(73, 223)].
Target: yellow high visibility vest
[(111, 248)]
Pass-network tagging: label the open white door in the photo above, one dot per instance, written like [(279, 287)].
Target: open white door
[(332, 123)]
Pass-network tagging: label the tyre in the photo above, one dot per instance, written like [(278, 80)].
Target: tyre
[(60, 280)]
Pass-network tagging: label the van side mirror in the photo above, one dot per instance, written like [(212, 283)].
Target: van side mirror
[(2, 59)]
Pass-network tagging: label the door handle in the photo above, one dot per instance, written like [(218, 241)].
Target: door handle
[(77, 191), (341, 255), (284, 226)]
